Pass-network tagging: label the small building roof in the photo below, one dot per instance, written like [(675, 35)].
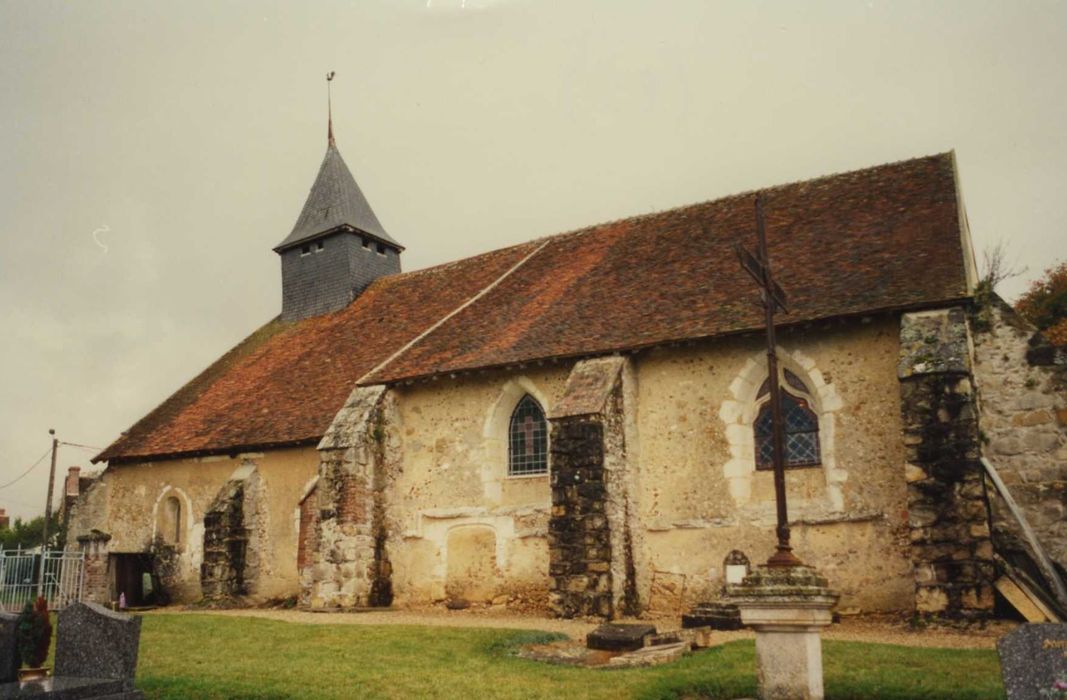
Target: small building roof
[(334, 202), (887, 238)]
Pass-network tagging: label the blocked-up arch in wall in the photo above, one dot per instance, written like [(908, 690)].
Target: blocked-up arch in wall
[(740, 411), (471, 563)]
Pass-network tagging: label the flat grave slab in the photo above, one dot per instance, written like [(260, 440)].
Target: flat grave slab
[(68, 688), (615, 636), (1033, 658)]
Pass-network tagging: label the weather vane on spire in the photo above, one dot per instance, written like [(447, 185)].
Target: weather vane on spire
[(329, 109)]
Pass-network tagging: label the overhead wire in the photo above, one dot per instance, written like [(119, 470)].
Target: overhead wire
[(87, 447), (31, 468)]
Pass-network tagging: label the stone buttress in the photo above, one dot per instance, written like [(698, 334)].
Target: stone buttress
[(358, 455), (235, 537), (593, 476), (948, 518)]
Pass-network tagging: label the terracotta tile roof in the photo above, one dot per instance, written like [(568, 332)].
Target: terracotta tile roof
[(884, 238), (873, 240), (283, 384)]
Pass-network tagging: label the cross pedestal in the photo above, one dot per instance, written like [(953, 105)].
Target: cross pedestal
[(787, 607)]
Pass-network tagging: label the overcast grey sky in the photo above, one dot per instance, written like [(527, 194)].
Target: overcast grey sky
[(151, 154)]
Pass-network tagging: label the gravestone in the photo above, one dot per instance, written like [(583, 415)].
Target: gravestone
[(1033, 659), (615, 636), (94, 642), (9, 655)]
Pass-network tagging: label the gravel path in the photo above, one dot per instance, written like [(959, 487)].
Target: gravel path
[(877, 630)]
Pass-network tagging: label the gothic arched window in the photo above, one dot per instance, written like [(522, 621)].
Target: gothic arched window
[(527, 439), (801, 438)]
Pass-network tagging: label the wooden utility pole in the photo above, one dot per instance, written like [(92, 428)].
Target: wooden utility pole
[(47, 511), (772, 297)]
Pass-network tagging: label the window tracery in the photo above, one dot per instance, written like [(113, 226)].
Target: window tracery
[(527, 439), (801, 434)]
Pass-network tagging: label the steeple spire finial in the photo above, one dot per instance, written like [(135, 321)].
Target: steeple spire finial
[(329, 110)]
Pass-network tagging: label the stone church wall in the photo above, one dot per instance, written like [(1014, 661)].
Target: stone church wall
[(696, 494), (1022, 390), (700, 496), (460, 519), (127, 499)]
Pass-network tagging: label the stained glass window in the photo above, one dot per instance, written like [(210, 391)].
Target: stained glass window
[(527, 439), (790, 379), (801, 438)]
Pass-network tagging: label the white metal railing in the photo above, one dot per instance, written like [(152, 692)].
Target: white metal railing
[(25, 574)]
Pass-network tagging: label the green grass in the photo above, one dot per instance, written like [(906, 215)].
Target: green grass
[(203, 656)]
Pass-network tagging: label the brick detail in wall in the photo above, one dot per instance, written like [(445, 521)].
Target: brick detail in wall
[(308, 538), (96, 584), (354, 498), (579, 537), (348, 563), (951, 550)]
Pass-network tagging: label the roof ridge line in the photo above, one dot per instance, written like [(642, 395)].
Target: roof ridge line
[(634, 218), (743, 194), (444, 319)]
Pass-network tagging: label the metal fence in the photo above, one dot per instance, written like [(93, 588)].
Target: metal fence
[(24, 575)]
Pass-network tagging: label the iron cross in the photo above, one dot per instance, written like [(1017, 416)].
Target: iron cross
[(772, 298)]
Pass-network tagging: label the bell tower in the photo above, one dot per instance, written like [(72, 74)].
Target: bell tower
[(337, 246)]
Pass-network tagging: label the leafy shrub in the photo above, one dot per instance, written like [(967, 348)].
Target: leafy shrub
[(34, 633)]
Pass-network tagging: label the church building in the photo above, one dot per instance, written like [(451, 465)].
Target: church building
[(581, 423)]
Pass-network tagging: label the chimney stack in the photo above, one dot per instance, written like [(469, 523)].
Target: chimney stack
[(72, 486)]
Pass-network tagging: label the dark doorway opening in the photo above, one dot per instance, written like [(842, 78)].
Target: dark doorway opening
[(134, 578)]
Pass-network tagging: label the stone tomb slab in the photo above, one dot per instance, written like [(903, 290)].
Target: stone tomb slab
[(9, 655), (69, 688), (1033, 657), (615, 636), (94, 642)]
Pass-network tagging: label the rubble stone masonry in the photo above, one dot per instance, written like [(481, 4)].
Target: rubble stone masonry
[(951, 551), (350, 566), (590, 532), (1022, 385)]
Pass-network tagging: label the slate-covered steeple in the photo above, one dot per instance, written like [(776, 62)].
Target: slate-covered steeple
[(337, 246)]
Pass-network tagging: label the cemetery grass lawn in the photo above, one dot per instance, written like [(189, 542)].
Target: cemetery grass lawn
[(203, 656)]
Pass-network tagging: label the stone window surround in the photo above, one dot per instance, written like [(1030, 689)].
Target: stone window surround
[(191, 547), (806, 401), (495, 435), (739, 411), (537, 469)]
